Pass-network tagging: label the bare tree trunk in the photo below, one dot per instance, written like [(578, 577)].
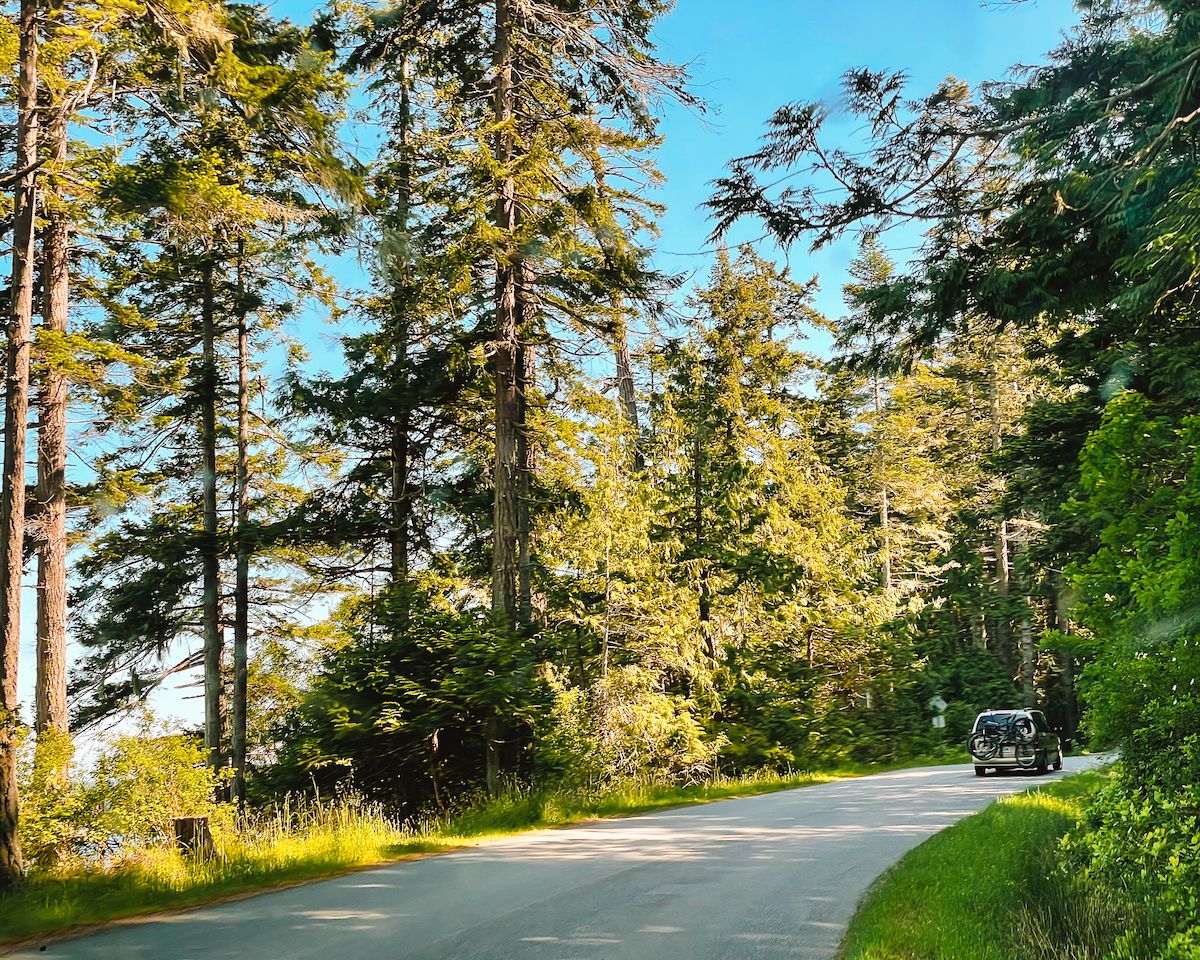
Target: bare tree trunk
[(209, 548), (506, 470), (605, 635), (507, 413), (435, 778), (705, 597), (978, 629), (627, 391), (885, 552), (1003, 622), (526, 448), (1003, 585), (1028, 655), (492, 733), (51, 680), (241, 588), (1062, 618), (401, 513), (16, 418), (1028, 650)]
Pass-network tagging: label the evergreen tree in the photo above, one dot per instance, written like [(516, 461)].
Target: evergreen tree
[(224, 195), (16, 412)]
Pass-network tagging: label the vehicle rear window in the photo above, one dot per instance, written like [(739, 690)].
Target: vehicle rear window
[(993, 720)]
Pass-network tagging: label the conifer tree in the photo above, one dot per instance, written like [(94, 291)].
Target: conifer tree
[(16, 412), (225, 193)]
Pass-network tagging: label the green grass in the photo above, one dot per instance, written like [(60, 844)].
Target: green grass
[(520, 809), (325, 839), (965, 893), (317, 840)]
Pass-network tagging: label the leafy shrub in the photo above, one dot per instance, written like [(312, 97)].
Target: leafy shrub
[(622, 726), (1144, 833), (141, 783), (71, 816), (50, 801)]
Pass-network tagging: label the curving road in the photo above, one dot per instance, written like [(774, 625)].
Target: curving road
[(774, 876)]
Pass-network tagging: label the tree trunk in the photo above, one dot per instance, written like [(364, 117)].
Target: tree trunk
[(51, 680), (401, 512), (506, 470), (526, 448), (1003, 622), (241, 589), (492, 735), (16, 418), (704, 599), (505, 553), (209, 548), (1028, 655), (605, 635), (627, 391), (1062, 618), (12, 487), (401, 504), (885, 551), (978, 629), (1003, 631)]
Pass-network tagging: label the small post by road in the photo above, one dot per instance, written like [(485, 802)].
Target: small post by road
[(194, 837)]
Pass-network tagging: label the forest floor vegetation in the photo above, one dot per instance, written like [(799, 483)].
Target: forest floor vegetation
[(312, 840)]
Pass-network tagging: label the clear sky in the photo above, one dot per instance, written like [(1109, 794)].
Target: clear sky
[(747, 58)]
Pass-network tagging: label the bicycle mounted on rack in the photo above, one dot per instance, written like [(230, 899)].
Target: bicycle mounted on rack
[(1019, 739)]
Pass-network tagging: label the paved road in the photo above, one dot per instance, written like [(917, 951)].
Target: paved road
[(775, 876)]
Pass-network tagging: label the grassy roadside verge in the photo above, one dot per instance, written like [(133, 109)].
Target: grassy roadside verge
[(959, 895), (325, 840)]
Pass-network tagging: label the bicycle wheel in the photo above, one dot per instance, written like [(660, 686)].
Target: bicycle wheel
[(1025, 754), (983, 745)]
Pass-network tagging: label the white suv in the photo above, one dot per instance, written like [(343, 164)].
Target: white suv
[(1014, 739)]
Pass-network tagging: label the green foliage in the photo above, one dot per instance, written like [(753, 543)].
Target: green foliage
[(51, 802), (140, 783), (1141, 840), (1138, 594), (122, 804), (400, 711), (622, 726)]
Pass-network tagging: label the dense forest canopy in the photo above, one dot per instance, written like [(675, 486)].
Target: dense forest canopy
[(554, 517)]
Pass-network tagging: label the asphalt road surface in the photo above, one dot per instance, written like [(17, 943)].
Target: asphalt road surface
[(774, 876)]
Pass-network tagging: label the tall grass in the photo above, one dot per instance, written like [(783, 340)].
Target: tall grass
[(519, 807), (300, 840), (1066, 918)]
